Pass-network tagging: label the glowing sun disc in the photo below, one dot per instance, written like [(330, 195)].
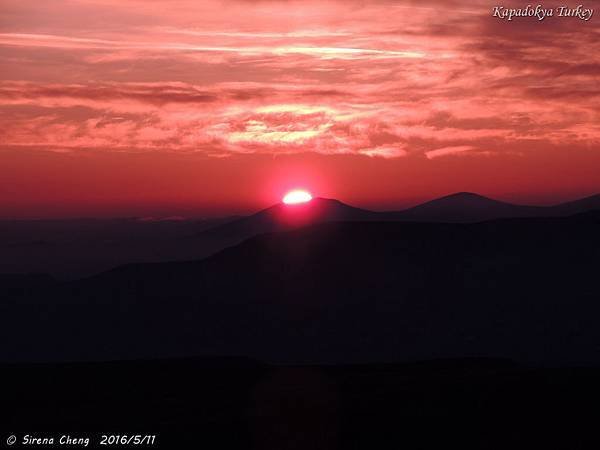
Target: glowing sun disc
[(297, 196)]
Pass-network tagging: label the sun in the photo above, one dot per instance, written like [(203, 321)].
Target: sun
[(297, 196)]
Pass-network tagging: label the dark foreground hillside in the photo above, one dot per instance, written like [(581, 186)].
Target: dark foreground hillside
[(327, 303), (522, 289), (228, 403)]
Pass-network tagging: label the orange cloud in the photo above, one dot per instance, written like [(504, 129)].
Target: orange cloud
[(375, 78), (448, 151)]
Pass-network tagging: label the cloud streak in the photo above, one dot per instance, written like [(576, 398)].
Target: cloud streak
[(372, 79)]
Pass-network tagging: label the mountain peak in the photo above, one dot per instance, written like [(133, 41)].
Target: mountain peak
[(319, 209), (313, 201), (466, 196), (282, 216), (465, 207), (461, 207)]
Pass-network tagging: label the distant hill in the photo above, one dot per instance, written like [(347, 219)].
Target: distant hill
[(461, 207), (282, 217), (523, 289), (591, 203), (73, 248), (467, 207), (69, 249)]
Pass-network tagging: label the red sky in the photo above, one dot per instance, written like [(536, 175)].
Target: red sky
[(202, 107)]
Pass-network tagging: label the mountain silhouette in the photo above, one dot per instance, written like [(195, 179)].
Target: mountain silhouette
[(467, 207), (590, 203), (71, 249), (523, 289), (461, 207), (282, 217), (436, 310)]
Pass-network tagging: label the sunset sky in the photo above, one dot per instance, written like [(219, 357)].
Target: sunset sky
[(202, 107)]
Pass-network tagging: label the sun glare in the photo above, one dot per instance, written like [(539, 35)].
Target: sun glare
[(297, 196)]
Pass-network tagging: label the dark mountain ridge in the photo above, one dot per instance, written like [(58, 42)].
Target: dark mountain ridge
[(281, 217), (468, 207), (461, 207), (522, 289), (71, 249)]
